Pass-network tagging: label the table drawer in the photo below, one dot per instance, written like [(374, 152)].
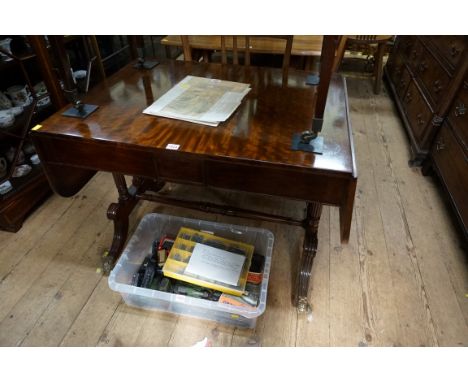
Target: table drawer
[(458, 114), (433, 76), (94, 155), (287, 182), (452, 163), (451, 47), (180, 167), (418, 112)]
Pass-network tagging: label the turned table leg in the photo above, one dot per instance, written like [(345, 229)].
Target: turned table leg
[(309, 250)]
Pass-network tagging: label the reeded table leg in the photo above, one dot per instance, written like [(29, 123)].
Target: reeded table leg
[(309, 250)]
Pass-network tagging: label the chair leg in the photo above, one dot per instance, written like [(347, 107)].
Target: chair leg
[(378, 70), (340, 51)]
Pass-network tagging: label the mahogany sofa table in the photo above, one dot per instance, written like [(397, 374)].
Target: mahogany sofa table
[(249, 152)]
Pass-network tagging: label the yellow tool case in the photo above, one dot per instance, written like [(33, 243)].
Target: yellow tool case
[(181, 252)]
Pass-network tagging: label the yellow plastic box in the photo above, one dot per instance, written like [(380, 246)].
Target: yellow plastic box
[(181, 252)]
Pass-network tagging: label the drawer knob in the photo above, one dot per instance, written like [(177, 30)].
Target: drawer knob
[(419, 119), (437, 86), (440, 145), (409, 97), (460, 109), (437, 121), (422, 66), (454, 51)]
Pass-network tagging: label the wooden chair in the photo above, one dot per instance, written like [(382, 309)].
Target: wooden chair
[(186, 48), (364, 43), (247, 50), (236, 47)]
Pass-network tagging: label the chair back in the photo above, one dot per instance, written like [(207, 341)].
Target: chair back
[(364, 38), (244, 43)]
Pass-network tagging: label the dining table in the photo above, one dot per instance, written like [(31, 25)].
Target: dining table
[(250, 152), (309, 47)]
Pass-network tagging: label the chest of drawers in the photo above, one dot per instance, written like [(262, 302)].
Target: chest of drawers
[(428, 79)]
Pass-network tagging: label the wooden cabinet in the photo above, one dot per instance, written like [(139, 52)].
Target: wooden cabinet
[(450, 160), (449, 154), (428, 78)]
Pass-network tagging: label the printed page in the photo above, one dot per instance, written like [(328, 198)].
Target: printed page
[(215, 264), (200, 100)]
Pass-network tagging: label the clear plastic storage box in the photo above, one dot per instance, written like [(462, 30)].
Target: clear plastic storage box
[(153, 226)]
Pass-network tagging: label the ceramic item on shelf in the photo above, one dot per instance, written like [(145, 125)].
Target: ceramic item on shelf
[(16, 110), (28, 149), (19, 46), (10, 156), (35, 159), (79, 74), (5, 102), (21, 170), (40, 88), (20, 95), (44, 102), (5, 45), (6, 119), (5, 187), (3, 167)]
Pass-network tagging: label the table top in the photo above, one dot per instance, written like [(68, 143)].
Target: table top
[(260, 130), (302, 45)]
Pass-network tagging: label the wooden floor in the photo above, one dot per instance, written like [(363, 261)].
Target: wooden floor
[(401, 281)]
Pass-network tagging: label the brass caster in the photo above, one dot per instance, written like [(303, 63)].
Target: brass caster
[(107, 263), (303, 305)]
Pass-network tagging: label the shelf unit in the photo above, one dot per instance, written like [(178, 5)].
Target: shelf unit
[(48, 59), (31, 189)]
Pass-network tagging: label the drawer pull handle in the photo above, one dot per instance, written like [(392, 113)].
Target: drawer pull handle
[(423, 66), (460, 109), (437, 121), (454, 51), (419, 119), (437, 86), (440, 145)]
